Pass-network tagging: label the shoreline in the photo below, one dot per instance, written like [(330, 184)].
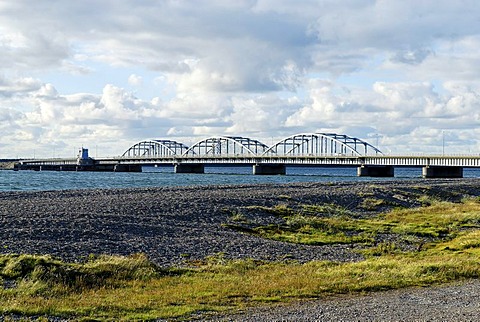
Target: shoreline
[(64, 180)]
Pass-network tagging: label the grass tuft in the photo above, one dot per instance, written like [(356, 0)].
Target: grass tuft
[(34, 271)]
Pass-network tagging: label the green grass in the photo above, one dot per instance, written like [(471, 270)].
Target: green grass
[(325, 209), (317, 226), (132, 288), (371, 203), (239, 284), (312, 230)]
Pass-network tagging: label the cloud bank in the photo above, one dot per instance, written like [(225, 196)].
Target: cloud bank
[(106, 74)]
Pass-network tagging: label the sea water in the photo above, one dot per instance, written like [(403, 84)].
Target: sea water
[(164, 176)]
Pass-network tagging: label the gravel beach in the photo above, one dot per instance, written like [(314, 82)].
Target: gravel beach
[(173, 225), (456, 302)]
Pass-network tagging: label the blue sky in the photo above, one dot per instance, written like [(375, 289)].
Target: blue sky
[(106, 74)]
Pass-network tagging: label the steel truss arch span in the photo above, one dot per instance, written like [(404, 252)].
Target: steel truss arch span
[(156, 148), (228, 146), (322, 144)]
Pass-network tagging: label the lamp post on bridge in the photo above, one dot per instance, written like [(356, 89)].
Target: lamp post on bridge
[(443, 142), (376, 136)]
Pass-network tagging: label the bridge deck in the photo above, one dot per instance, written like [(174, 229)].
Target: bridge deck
[(373, 166), (396, 161)]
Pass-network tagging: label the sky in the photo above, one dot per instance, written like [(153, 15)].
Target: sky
[(106, 74)]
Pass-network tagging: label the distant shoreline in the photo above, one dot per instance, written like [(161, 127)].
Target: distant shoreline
[(7, 164)]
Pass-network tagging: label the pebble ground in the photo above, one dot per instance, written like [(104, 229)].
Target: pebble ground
[(174, 225)]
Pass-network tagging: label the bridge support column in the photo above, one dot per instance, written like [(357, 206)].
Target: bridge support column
[(269, 169), (189, 168), (375, 171), (442, 172)]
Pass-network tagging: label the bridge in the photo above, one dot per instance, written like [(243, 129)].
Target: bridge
[(305, 149)]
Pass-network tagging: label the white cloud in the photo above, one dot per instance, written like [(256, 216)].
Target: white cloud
[(18, 87), (260, 116), (135, 80), (66, 120)]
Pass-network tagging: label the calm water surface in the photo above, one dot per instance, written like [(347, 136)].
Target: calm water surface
[(163, 176)]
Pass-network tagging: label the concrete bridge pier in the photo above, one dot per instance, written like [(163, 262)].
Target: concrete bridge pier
[(375, 171), (269, 169), (189, 168), (442, 172)]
